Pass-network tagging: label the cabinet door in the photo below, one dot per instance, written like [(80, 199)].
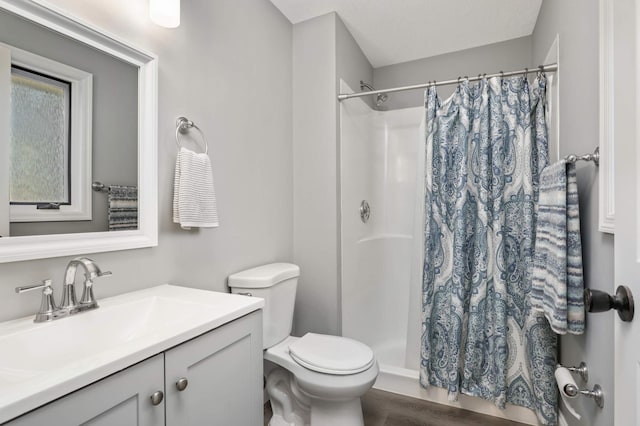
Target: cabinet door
[(224, 373), (122, 399)]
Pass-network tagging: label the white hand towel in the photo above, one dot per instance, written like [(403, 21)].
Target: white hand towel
[(194, 198)]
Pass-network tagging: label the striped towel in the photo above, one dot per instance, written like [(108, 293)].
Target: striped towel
[(123, 208), (194, 198), (557, 281)]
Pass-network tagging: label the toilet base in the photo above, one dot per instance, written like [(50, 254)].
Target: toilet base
[(291, 406), (344, 413)]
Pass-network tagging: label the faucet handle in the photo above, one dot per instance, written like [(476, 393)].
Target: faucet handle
[(88, 300), (44, 285), (48, 310)]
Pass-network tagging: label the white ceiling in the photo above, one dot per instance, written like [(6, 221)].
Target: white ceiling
[(394, 31)]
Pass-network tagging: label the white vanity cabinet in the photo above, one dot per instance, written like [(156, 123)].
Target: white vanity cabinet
[(222, 370), (122, 399)]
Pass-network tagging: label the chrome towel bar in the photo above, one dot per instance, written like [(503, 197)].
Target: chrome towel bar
[(595, 157)]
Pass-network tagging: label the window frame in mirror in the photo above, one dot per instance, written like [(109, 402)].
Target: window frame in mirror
[(81, 105), (47, 246)]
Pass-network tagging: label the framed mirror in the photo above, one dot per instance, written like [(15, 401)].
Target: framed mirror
[(78, 137)]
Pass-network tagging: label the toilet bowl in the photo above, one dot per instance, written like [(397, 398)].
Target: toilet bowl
[(317, 398), (319, 378)]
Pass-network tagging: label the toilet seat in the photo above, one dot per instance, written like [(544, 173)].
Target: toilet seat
[(334, 355), (319, 385)]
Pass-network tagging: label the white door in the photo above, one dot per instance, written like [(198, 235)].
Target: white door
[(626, 399), (5, 94)]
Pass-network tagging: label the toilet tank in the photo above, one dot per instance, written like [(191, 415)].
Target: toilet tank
[(276, 283)]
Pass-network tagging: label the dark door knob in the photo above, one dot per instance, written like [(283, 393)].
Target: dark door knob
[(600, 301)]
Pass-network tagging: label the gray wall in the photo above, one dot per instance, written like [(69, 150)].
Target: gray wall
[(352, 65), (315, 220), (505, 56), (115, 115), (579, 111), (228, 68), (323, 52)]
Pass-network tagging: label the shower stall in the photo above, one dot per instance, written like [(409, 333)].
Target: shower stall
[(382, 166)]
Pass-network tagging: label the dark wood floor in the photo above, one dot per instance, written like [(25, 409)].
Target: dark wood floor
[(389, 409)]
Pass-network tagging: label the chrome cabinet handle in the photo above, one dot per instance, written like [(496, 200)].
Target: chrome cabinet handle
[(182, 384), (157, 397)]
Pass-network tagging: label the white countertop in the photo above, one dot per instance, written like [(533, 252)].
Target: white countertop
[(42, 362)]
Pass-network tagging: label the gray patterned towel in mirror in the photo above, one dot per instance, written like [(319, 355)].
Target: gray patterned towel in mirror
[(123, 207)]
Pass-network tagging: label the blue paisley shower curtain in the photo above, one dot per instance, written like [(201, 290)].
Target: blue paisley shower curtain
[(486, 146)]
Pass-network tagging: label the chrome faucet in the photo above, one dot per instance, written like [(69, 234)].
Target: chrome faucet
[(69, 306), (88, 300)]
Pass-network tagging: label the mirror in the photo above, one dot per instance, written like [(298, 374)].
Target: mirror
[(100, 97)]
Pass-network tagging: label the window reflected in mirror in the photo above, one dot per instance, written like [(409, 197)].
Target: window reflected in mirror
[(50, 141), (40, 139)]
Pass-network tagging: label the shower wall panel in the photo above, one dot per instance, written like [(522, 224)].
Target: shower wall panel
[(378, 164)]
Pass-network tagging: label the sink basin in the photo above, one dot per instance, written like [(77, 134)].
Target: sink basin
[(41, 362), (38, 349)]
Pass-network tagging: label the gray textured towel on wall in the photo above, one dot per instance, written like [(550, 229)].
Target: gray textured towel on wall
[(557, 277), (123, 208)]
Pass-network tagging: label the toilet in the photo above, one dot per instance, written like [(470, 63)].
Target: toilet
[(318, 379)]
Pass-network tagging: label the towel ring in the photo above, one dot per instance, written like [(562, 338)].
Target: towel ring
[(183, 125)]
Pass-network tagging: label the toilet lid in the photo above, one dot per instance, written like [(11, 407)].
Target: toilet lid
[(331, 354)]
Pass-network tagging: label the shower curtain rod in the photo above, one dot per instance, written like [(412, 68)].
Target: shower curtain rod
[(543, 68)]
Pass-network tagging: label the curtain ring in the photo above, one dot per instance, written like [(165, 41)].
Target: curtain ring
[(484, 75), (540, 70), (459, 79), (501, 74)]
